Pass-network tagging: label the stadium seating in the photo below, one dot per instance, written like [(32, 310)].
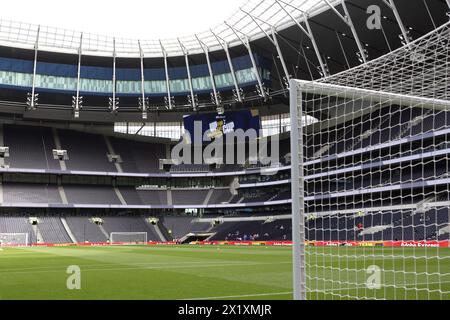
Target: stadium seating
[(52, 230), (85, 230), (30, 193), (30, 147), (86, 152), (181, 226), (129, 224), (84, 194), (253, 230)]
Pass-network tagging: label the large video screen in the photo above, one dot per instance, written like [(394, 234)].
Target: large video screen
[(215, 125)]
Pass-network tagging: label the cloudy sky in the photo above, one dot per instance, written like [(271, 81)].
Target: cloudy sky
[(137, 19)]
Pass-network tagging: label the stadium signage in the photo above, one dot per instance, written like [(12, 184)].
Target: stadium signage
[(413, 244)]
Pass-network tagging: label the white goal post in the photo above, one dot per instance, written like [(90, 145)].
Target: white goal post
[(128, 237), (13, 239), (370, 177)]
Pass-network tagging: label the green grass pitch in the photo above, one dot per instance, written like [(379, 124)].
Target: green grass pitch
[(210, 272)]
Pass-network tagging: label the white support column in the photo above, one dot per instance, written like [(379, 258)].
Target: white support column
[(32, 99), (391, 5), (144, 102), (166, 68), (233, 74), (224, 45), (77, 103), (113, 104), (448, 3), (308, 32), (246, 44), (348, 21), (297, 189), (205, 48), (188, 69)]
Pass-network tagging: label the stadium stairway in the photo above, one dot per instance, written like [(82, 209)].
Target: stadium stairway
[(103, 231), (112, 152), (37, 234), (159, 233), (163, 230), (208, 197), (57, 142), (120, 196), (169, 197), (67, 228)]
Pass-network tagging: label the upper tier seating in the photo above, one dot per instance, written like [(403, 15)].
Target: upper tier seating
[(29, 147)]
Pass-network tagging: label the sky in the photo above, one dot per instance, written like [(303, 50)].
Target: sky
[(135, 19)]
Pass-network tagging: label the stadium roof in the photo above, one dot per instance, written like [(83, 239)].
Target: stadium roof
[(253, 20)]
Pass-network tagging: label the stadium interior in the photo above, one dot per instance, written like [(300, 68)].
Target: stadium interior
[(87, 134)]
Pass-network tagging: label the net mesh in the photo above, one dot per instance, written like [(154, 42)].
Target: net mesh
[(128, 237), (376, 176), (13, 239)]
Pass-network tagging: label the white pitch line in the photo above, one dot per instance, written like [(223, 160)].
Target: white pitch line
[(243, 296), (290, 292), (131, 267)]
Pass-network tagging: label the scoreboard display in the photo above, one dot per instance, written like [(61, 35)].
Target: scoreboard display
[(214, 125)]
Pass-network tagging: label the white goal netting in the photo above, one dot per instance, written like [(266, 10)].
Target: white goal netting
[(13, 239), (128, 237), (371, 178)]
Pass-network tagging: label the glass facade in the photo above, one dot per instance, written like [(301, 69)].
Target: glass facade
[(224, 80)]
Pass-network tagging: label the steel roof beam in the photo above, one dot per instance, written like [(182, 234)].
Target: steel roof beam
[(391, 5), (188, 69), (273, 39), (307, 32), (216, 99), (246, 43), (224, 46), (348, 21)]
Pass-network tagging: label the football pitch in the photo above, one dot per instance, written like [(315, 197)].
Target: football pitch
[(213, 272)]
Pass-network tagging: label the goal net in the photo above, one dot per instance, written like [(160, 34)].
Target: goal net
[(370, 178), (13, 239), (128, 237)]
